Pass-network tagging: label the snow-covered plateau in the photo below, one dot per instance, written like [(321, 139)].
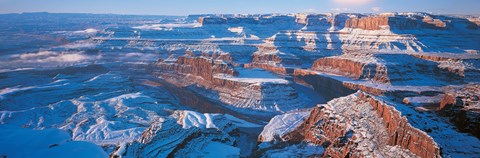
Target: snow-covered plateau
[(231, 85)]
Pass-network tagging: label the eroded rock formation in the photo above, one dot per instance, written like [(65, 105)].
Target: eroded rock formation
[(198, 66), (185, 134), (218, 80), (462, 106), (359, 66), (368, 23), (360, 126), (401, 22)]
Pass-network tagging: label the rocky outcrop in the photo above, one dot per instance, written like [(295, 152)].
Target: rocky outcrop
[(399, 22), (268, 96), (475, 22), (360, 126), (212, 20), (245, 19), (448, 102), (359, 66), (400, 131), (390, 68), (222, 56), (462, 106), (271, 68), (217, 80), (184, 134), (273, 55), (266, 58), (368, 23), (435, 57), (199, 66), (434, 23), (459, 64)]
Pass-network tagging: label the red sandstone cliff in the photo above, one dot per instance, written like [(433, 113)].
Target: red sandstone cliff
[(382, 22), (332, 131), (198, 66), (351, 67), (368, 23), (401, 132)]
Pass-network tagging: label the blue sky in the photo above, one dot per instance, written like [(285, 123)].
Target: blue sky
[(185, 7)]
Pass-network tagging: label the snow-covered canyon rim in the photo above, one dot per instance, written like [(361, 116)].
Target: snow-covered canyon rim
[(228, 85)]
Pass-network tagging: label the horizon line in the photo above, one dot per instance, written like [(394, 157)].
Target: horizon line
[(134, 14)]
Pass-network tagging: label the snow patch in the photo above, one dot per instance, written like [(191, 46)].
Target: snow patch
[(189, 119), (21, 142), (220, 150), (237, 30), (282, 124), (9, 90), (87, 31), (165, 27)]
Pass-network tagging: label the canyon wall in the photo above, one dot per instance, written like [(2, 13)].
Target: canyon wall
[(217, 80), (386, 22), (351, 67), (368, 23), (400, 131), (198, 66), (337, 127)]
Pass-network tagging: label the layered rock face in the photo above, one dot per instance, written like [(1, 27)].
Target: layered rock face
[(368, 23), (293, 39), (464, 65), (296, 48), (296, 40), (268, 95), (198, 66), (406, 31), (400, 131), (240, 91), (211, 20), (187, 134), (359, 126), (270, 53), (397, 69), (358, 66), (271, 68), (403, 22), (266, 19)]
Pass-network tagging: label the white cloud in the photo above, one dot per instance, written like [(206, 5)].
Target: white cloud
[(51, 56), (352, 2), (376, 9), (46, 59)]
